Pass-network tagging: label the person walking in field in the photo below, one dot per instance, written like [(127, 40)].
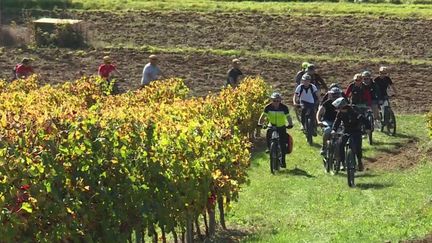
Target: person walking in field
[(234, 74), (23, 69), (151, 71), (105, 69)]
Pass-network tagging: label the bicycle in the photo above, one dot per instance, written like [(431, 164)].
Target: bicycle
[(309, 125), (275, 148), (387, 117), (350, 161), (331, 161), (367, 112)]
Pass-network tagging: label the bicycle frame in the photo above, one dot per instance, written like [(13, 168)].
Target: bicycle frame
[(275, 152)]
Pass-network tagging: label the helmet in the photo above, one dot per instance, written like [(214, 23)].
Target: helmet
[(357, 76), (383, 69), (26, 60), (337, 85), (311, 66), (335, 90), (276, 95), (306, 77), (305, 65), (366, 74), (340, 102)]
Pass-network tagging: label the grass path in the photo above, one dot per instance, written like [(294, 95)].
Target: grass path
[(303, 204)]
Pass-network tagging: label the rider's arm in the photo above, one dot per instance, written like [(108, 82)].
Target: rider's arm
[(348, 91), (391, 86), (295, 99), (337, 122), (321, 82), (262, 118), (288, 117), (320, 113), (290, 123), (365, 121), (315, 94)]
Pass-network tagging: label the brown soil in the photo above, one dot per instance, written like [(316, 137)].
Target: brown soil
[(405, 155), (347, 35), (205, 72), (369, 37), (427, 239)]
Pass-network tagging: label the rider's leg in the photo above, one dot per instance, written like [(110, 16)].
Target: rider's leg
[(303, 117), (283, 143), (375, 110), (343, 140), (268, 138), (326, 136), (356, 140)]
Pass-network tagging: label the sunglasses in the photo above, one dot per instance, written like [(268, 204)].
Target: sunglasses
[(277, 101)]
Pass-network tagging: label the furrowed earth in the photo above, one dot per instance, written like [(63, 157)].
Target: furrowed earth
[(340, 46)]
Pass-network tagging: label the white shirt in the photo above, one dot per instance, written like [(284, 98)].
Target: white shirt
[(307, 93), (150, 73)]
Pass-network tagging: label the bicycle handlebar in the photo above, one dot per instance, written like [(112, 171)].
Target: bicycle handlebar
[(266, 126)]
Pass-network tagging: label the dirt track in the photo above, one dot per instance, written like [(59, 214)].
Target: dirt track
[(203, 72)]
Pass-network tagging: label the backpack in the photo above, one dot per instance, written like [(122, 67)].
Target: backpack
[(290, 144), (310, 87)]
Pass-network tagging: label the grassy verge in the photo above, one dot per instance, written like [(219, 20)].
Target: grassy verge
[(295, 8), (303, 204), (264, 54)]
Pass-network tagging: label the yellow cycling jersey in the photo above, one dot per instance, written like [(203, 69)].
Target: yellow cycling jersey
[(277, 116)]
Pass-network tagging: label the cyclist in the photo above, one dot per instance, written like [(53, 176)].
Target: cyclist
[(316, 78), (357, 92), (374, 93), (234, 74), (333, 85), (306, 94), (327, 114), (300, 73), (352, 122), (278, 115), (383, 81), (23, 69)]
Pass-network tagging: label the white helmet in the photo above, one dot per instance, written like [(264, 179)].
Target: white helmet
[(340, 102)]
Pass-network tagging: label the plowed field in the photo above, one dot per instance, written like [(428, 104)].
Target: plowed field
[(395, 41)]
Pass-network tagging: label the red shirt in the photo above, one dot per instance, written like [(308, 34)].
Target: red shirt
[(105, 70), (359, 94), (22, 70)]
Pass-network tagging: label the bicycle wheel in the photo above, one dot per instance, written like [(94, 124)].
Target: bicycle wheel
[(274, 157), (329, 157), (309, 130), (391, 123), (350, 159)]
